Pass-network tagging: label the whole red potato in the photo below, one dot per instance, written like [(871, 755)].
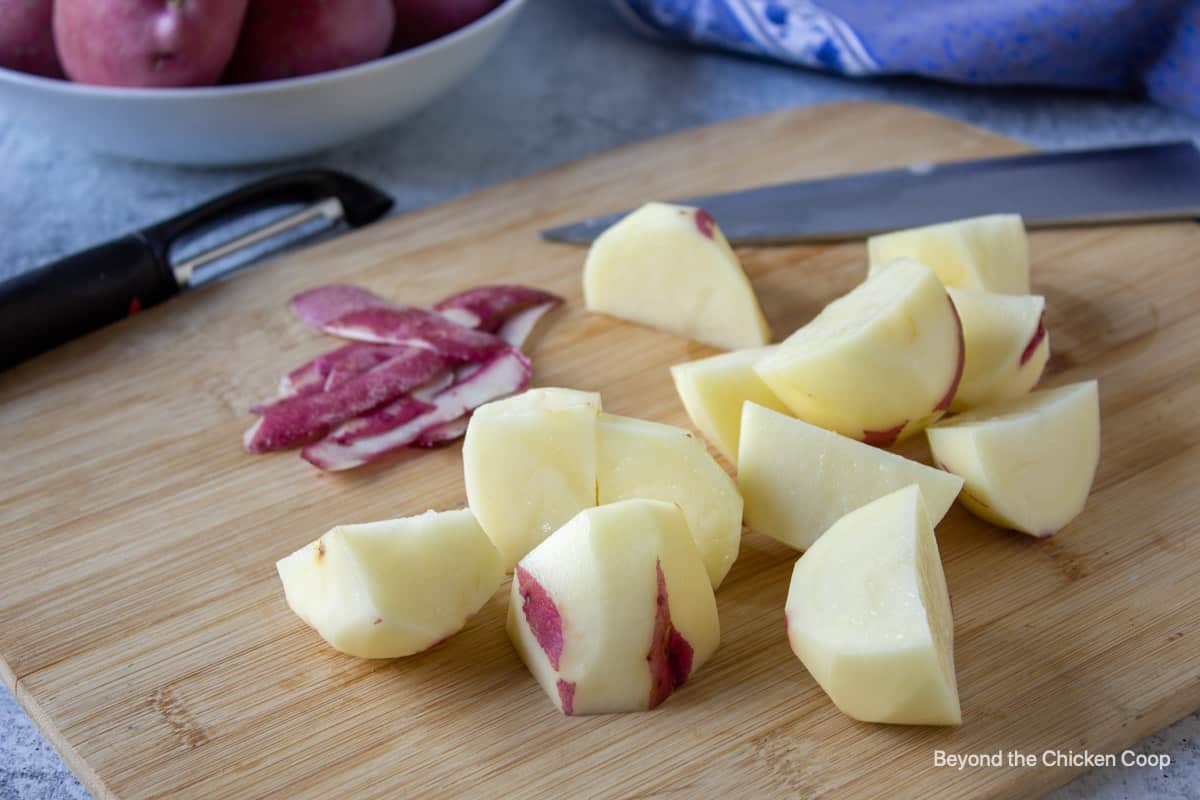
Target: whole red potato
[(27, 37), (420, 21), (288, 38), (159, 43)]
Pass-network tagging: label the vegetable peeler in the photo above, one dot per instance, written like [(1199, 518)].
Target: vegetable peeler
[(68, 298)]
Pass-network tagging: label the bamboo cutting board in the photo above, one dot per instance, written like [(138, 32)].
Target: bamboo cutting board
[(144, 629)]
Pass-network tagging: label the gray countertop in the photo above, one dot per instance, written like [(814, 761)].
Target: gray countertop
[(570, 81)]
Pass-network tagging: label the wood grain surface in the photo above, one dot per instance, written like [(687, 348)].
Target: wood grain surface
[(144, 629)]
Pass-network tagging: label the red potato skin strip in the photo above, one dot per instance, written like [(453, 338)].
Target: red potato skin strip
[(389, 417), (313, 376), (444, 434), (516, 330), (365, 357), (416, 327), (487, 308), (324, 304), (295, 420), (367, 438), (511, 311)]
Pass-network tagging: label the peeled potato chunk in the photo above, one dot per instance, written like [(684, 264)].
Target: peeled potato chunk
[(1027, 463), (392, 588), (798, 479), (636, 458), (529, 465), (879, 363), (533, 461), (868, 612), (714, 389), (1006, 342), (989, 252), (670, 267), (614, 611)]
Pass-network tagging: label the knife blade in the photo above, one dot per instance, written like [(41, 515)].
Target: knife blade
[(57, 302), (1083, 187)]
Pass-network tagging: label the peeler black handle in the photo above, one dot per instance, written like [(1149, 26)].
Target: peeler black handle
[(58, 302), (63, 300)]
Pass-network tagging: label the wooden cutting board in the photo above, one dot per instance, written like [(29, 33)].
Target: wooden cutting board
[(144, 629)]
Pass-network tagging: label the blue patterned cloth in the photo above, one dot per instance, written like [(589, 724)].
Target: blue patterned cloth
[(1116, 45)]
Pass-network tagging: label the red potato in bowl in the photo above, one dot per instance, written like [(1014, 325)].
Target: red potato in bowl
[(290, 38), (420, 21), (27, 37), (147, 43)]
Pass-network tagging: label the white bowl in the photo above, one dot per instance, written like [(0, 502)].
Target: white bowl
[(254, 122)]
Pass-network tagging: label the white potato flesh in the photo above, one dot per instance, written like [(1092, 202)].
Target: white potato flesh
[(615, 610), (868, 613), (798, 479), (879, 363), (714, 389), (1027, 463), (670, 267), (393, 588), (989, 252), (1007, 346), (529, 465), (636, 458)]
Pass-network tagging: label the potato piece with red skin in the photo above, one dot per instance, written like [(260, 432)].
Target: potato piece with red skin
[(614, 611), (291, 38), (27, 38), (146, 43), (670, 267), (878, 364), (1007, 346)]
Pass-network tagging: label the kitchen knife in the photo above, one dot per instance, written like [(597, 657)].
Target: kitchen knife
[(57, 302), (1086, 187)]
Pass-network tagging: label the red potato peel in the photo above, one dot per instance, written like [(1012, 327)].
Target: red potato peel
[(326, 303), (487, 308), (362, 316), (416, 327), (314, 376), (505, 315), (365, 439), (294, 420), (445, 433), (362, 359), (516, 330)]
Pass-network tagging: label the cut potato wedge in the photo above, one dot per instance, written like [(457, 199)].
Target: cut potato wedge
[(614, 611), (529, 465), (1007, 346), (393, 588), (798, 479), (879, 363), (714, 389), (868, 612), (1027, 463), (990, 252), (636, 458), (670, 267)]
